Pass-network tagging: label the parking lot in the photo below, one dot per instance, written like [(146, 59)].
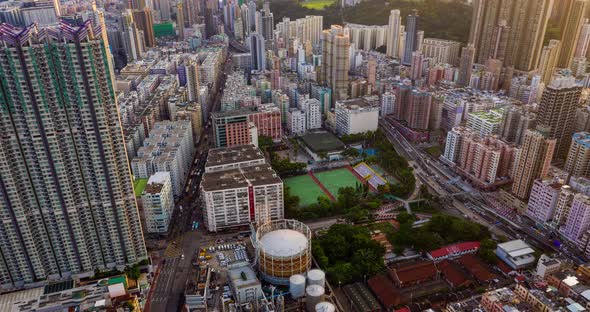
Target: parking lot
[(220, 255), (227, 253)]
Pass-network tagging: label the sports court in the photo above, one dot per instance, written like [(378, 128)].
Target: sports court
[(370, 175), (304, 187), (335, 179)]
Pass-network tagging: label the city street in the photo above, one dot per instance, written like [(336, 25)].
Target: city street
[(182, 242)]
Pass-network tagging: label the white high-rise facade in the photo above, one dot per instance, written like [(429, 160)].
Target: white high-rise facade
[(387, 102), (296, 121), (239, 188), (394, 33), (158, 203), (313, 114)]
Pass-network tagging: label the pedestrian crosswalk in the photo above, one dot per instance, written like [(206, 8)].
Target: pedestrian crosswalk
[(174, 248)]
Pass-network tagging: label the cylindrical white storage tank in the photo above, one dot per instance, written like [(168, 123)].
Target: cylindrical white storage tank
[(297, 286), (314, 295), (316, 277), (283, 249), (325, 307)]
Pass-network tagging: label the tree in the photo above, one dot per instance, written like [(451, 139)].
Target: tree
[(368, 261), (382, 49), (356, 214), (336, 247), (384, 189), (290, 202), (264, 141), (351, 152), (348, 253), (323, 155), (426, 241), (132, 272), (284, 167), (341, 273), (488, 244), (488, 255), (405, 218)]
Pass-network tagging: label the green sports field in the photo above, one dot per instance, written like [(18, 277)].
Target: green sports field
[(304, 187), (316, 4), (333, 180)]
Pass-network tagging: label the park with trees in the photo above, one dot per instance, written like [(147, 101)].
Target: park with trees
[(348, 253)]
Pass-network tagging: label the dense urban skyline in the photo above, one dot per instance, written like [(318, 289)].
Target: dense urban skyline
[(171, 155)]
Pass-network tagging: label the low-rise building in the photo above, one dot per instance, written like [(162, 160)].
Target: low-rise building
[(244, 283), (242, 126), (111, 294), (453, 251), (517, 254), (547, 266), (323, 145), (502, 300), (536, 299)]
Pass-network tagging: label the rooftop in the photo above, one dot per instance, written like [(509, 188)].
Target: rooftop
[(159, 177), (139, 186), (261, 174), (356, 104), (322, 142), (453, 274), (237, 274), (234, 154), (582, 138), (414, 272), (156, 182), (361, 297), (487, 116), (7, 300), (283, 243), (385, 291), (516, 248), (477, 268), (243, 111), (454, 249)]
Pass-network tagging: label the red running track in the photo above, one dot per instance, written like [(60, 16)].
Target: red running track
[(321, 186)]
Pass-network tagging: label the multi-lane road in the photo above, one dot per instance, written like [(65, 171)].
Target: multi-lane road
[(464, 201)]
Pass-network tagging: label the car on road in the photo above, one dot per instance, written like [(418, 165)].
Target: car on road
[(182, 257)]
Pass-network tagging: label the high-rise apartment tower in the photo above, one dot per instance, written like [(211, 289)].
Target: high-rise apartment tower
[(67, 200)]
